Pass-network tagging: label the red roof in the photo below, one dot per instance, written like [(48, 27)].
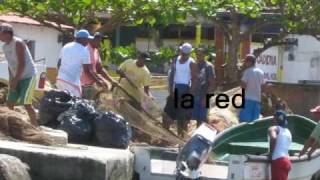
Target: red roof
[(14, 18)]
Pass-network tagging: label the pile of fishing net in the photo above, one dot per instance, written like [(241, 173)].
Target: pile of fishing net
[(145, 117), (16, 125), (223, 118)]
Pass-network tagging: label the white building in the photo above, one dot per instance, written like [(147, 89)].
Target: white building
[(292, 63), (44, 42)]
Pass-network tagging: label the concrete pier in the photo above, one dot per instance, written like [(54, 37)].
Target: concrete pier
[(73, 162)]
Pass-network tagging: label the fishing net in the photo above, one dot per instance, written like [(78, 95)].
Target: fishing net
[(222, 118), (18, 126), (147, 125)]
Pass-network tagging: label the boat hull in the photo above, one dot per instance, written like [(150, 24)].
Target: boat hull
[(238, 153)]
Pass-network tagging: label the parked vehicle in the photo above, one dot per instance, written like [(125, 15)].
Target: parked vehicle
[(237, 153)]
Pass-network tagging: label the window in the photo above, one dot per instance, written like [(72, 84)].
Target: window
[(32, 47)]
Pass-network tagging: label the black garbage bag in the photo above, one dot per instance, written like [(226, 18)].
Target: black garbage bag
[(112, 130), (52, 105), (79, 130), (84, 109)]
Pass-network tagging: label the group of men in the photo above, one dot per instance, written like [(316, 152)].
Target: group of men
[(80, 65), (198, 78), (80, 69), (188, 76)]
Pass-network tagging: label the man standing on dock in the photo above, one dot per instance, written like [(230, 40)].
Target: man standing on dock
[(205, 86), (252, 81), (182, 81), (22, 71)]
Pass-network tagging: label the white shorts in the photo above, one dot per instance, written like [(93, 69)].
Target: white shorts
[(65, 86)]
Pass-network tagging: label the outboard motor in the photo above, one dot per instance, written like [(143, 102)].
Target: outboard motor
[(195, 153)]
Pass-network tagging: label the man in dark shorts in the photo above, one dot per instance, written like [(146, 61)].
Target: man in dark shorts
[(182, 80), (205, 86)]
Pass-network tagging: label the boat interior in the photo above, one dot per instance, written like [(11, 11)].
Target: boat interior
[(248, 139), (252, 138)]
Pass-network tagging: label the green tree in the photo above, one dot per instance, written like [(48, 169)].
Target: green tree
[(294, 16), (229, 16), (80, 13)]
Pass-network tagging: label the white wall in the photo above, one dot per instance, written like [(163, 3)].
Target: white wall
[(46, 41), (306, 63)]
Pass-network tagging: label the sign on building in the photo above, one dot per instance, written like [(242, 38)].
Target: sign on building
[(268, 62)]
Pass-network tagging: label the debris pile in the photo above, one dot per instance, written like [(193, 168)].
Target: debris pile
[(17, 125)]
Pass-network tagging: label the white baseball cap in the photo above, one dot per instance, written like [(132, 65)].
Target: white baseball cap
[(186, 48)]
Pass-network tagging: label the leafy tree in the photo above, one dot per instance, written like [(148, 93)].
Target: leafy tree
[(294, 16), (80, 13)]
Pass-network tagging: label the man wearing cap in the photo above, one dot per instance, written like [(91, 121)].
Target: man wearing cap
[(22, 71), (205, 86), (75, 58), (313, 141), (252, 81), (280, 139), (135, 78), (88, 88), (182, 80)]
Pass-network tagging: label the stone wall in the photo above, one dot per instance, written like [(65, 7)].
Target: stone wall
[(300, 98)]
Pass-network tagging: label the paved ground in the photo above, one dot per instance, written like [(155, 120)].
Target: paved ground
[(160, 96)]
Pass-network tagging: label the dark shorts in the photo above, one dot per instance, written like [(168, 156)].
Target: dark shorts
[(199, 111), (172, 107)]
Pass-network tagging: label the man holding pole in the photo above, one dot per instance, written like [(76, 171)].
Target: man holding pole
[(87, 82), (135, 78)]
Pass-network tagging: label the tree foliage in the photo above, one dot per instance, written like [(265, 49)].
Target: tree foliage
[(293, 16), (290, 16), (80, 13)]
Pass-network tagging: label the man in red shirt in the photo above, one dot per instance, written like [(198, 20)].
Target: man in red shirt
[(88, 88)]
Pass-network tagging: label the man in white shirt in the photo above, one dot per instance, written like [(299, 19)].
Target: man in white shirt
[(182, 81), (252, 81), (75, 59)]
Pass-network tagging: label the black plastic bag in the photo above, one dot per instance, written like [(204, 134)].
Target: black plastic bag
[(79, 130), (84, 109), (112, 130), (52, 105)]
